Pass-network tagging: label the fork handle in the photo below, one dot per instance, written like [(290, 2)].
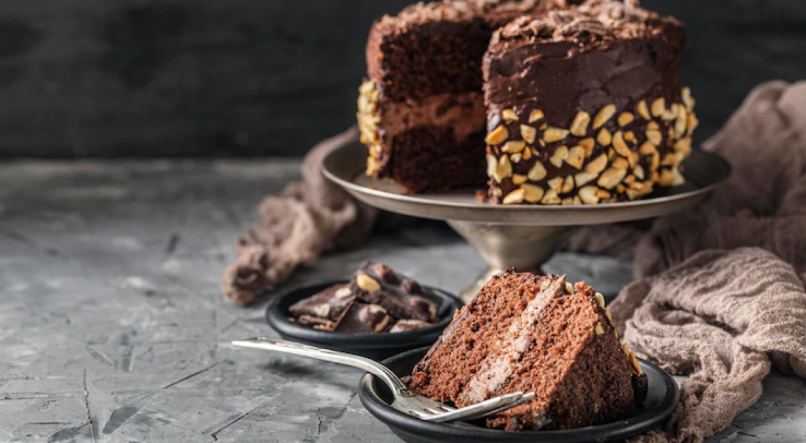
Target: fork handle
[(356, 361)]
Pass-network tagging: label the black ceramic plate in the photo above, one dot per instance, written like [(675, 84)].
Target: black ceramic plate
[(658, 406), (376, 346)]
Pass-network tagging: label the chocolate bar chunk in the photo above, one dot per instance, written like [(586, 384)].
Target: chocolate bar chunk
[(365, 318), (328, 304), (375, 300), (408, 325), (322, 324), (400, 296)]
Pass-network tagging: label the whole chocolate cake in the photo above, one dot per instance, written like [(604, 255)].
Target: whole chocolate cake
[(531, 333), (582, 103)]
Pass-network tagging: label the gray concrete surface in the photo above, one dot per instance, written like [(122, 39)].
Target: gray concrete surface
[(112, 328)]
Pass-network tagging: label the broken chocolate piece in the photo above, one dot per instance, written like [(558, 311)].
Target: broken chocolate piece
[(405, 301), (384, 273), (363, 318), (409, 325), (375, 299), (410, 286), (328, 304), (317, 322)]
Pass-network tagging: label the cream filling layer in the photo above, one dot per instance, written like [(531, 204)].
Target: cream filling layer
[(465, 113), (497, 368)]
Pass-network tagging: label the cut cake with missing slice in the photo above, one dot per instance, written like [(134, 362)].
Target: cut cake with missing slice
[(421, 108)]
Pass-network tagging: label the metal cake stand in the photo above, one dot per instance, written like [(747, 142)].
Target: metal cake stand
[(524, 236)]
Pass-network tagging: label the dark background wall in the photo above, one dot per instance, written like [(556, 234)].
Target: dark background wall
[(142, 78)]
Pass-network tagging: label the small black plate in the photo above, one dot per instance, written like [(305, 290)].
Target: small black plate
[(660, 403), (375, 346)]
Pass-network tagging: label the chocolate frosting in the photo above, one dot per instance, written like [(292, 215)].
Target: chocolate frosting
[(581, 58), (603, 52), (424, 31)]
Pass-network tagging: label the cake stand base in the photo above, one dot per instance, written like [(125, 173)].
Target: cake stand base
[(503, 246)]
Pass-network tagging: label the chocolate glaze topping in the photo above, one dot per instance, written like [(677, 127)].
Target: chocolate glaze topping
[(600, 53), (424, 31), (581, 58)]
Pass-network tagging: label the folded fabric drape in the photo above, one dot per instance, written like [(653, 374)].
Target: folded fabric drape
[(720, 290)]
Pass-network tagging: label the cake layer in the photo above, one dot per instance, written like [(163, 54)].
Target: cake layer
[(474, 332), (531, 333), (497, 370), (589, 378), (421, 109), (432, 144), (584, 106)]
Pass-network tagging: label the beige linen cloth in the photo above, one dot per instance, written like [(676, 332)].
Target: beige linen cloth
[(719, 291)]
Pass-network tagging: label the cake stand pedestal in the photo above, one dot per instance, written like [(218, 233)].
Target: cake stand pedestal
[(501, 246), (523, 236)]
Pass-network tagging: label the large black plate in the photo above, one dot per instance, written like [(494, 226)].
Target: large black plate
[(660, 403), (375, 346)]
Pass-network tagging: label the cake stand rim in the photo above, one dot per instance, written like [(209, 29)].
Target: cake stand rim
[(539, 215)]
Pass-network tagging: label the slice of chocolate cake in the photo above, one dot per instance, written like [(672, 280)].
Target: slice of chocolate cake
[(530, 333), (584, 105), (421, 109)]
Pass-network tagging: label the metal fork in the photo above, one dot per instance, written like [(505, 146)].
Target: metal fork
[(405, 400)]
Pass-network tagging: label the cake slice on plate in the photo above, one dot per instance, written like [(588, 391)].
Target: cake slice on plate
[(531, 333)]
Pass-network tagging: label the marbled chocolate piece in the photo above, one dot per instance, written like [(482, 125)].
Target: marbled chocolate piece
[(328, 304), (400, 296), (409, 325), (374, 301), (322, 324), (365, 318)]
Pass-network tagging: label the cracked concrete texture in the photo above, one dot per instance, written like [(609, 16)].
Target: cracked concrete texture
[(112, 328)]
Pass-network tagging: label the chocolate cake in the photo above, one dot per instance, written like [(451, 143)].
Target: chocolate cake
[(582, 103), (375, 300), (421, 109), (531, 333)]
